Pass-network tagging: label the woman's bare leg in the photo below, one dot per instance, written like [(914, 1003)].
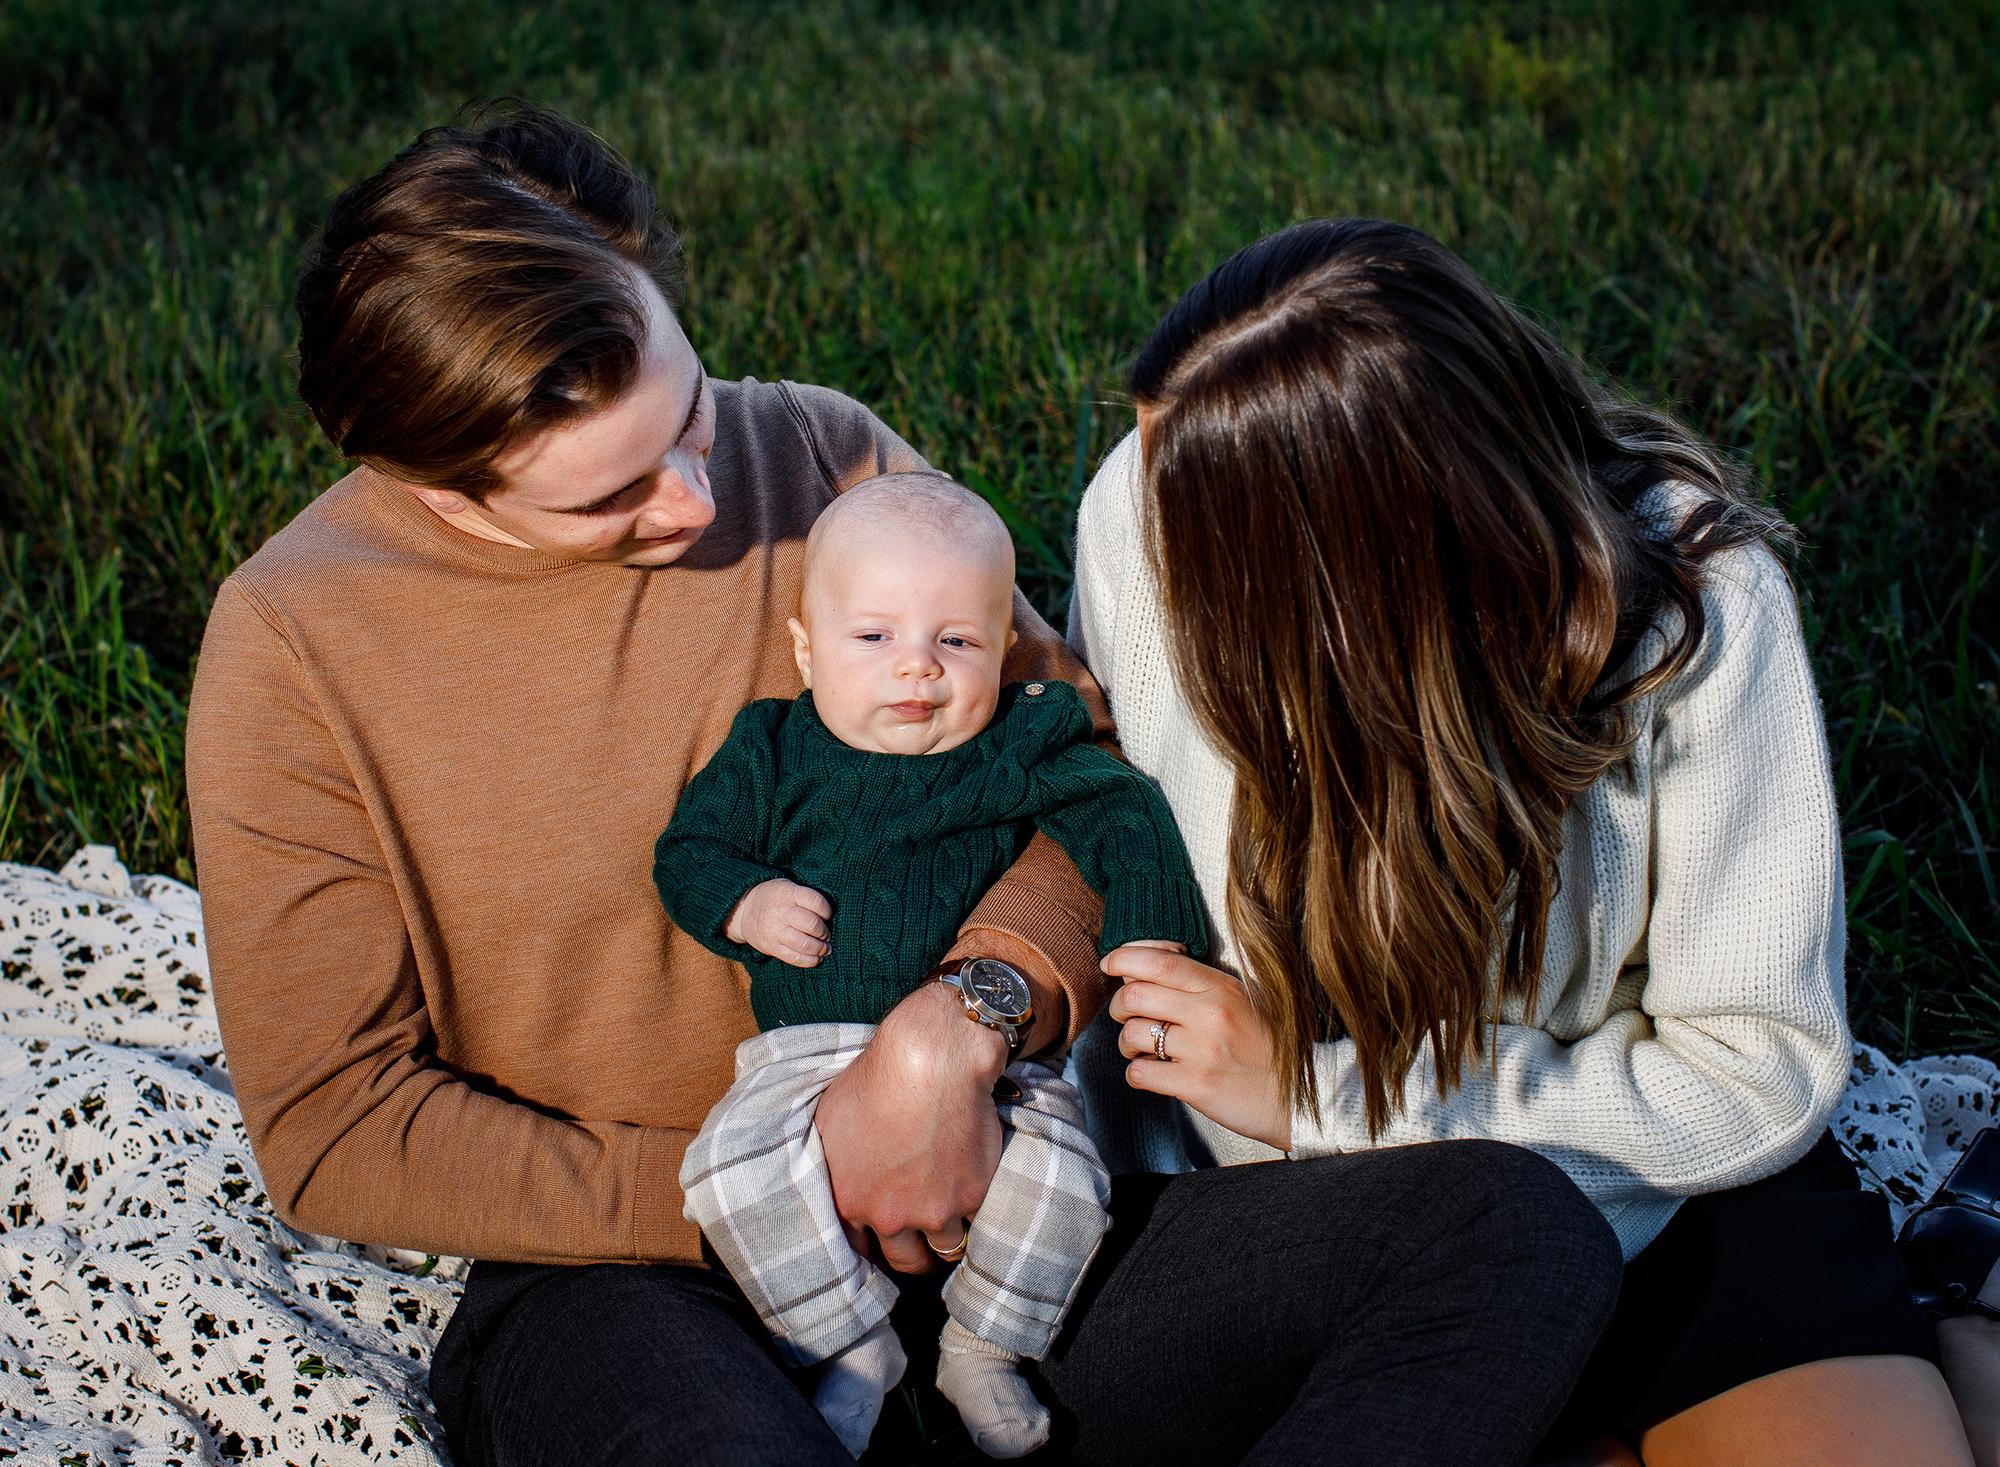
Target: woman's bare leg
[(1878, 1410), (1970, 1346)]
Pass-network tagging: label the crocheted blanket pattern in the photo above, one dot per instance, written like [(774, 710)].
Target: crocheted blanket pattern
[(157, 1311)]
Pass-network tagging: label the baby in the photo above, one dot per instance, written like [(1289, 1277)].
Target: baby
[(856, 827)]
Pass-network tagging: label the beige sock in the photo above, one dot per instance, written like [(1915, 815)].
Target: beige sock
[(854, 1383), (993, 1401)]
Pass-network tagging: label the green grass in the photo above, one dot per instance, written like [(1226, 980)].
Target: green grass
[(1784, 222)]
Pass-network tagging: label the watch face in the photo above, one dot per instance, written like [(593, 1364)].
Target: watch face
[(998, 987)]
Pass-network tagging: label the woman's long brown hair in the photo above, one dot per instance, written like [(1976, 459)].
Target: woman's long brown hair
[(1406, 589)]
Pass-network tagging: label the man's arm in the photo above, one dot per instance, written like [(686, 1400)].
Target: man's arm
[(1121, 833), (359, 1131), (1042, 917)]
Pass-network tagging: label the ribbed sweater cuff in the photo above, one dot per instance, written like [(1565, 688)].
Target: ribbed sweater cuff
[(700, 894), (1163, 909), (1058, 955), (659, 1231)]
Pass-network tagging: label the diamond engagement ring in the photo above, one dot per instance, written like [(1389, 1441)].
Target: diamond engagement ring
[(1159, 1032)]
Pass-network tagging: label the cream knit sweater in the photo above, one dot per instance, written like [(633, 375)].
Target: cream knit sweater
[(1690, 1032)]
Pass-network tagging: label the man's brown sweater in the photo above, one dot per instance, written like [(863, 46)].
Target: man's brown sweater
[(426, 773)]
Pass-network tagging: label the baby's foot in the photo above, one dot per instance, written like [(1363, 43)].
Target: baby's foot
[(993, 1400), (854, 1383)]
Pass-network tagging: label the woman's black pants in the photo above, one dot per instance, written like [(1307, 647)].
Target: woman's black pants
[(1420, 1304)]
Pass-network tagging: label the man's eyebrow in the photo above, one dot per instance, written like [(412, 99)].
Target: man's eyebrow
[(694, 411)]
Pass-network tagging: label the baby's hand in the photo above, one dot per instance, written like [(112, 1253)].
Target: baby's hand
[(782, 920)]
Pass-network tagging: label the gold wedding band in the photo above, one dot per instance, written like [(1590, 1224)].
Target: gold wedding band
[(1159, 1032), (952, 1254)]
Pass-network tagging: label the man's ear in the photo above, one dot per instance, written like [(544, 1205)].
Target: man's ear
[(801, 649), (444, 501)]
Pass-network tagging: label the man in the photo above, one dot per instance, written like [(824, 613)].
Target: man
[(437, 723)]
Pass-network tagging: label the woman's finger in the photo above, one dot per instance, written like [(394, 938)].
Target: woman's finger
[(1160, 1079), (1152, 1001), (1158, 965), (1135, 1041)]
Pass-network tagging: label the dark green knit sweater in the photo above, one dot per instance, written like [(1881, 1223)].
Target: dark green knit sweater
[(904, 845)]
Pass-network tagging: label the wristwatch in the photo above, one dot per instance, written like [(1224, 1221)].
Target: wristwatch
[(994, 994)]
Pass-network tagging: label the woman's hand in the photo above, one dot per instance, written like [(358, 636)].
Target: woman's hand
[(1218, 1051)]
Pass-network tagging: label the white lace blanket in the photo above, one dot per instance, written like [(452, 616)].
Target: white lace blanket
[(158, 1313)]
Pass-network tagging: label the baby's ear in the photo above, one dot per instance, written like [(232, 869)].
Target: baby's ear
[(1012, 637), (801, 649)]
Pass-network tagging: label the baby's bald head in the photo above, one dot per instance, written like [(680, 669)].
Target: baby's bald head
[(907, 614), (910, 514)]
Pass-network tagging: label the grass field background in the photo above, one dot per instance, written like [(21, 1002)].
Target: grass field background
[(1783, 221)]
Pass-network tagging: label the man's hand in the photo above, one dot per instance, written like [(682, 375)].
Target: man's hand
[(782, 920), (910, 1132)]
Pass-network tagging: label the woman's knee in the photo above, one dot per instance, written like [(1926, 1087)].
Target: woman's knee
[(1516, 1210)]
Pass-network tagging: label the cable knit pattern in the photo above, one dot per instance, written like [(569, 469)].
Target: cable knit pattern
[(904, 845), (1690, 1030)]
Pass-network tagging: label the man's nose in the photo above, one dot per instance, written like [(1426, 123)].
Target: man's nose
[(681, 498)]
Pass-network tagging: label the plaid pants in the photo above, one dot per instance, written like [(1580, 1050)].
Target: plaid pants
[(756, 1184)]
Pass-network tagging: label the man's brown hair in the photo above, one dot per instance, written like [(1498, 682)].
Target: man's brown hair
[(1415, 601), (481, 288)]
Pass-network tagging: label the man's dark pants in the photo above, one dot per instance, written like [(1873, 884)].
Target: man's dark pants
[(1417, 1304)]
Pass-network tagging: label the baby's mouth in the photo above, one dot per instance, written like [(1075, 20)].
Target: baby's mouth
[(913, 711)]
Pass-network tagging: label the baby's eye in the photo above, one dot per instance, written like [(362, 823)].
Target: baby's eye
[(955, 641), (871, 636)]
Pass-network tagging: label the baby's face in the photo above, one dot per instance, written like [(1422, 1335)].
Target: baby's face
[(901, 644)]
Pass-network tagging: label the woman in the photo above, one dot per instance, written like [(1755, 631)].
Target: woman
[(1481, 700)]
